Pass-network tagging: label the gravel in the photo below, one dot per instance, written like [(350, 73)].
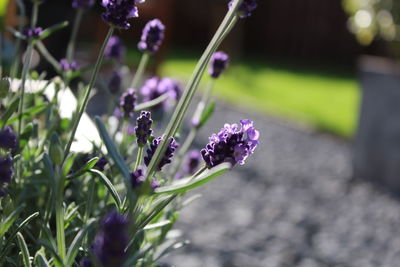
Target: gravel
[(293, 204)]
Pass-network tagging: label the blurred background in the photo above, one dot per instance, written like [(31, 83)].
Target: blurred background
[(321, 81)]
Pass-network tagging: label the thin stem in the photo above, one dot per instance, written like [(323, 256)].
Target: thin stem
[(191, 87), (27, 62), (74, 34), (140, 70), (60, 217), (21, 24), (139, 157), (87, 94), (35, 13)]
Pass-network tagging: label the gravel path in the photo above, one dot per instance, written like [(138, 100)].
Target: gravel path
[(292, 204)]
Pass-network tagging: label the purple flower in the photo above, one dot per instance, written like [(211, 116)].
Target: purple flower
[(219, 62), (114, 49), (127, 103), (6, 170), (155, 184), (155, 87), (193, 162), (169, 152), (118, 12), (85, 4), (246, 8), (114, 84), (152, 36), (85, 262), (137, 177), (65, 65), (143, 128), (112, 239), (101, 164), (33, 33), (8, 139), (231, 144)]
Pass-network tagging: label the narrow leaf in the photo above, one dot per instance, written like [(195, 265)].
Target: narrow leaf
[(47, 32), (24, 250), (190, 183), (152, 103), (157, 225), (41, 261), (10, 110), (76, 243), (6, 224), (29, 112), (88, 166), (109, 186)]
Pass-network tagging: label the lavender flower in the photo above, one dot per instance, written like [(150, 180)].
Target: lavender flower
[(33, 33), (219, 62), (118, 12), (8, 139), (101, 164), (85, 4), (143, 128), (114, 49), (114, 84), (154, 184), (111, 241), (152, 36), (231, 144), (246, 8), (193, 162), (65, 65), (155, 87), (137, 177), (127, 103), (6, 170), (169, 152)]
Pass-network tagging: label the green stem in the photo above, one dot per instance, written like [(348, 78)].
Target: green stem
[(60, 216), (74, 34), (139, 157), (35, 14), (140, 70), (191, 87), (21, 24), (87, 94)]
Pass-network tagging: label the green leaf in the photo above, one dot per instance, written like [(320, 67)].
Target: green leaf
[(47, 32), (155, 211), (109, 186), (88, 166), (189, 183), (41, 261), (24, 249), (206, 115), (26, 135), (29, 112), (4, 87), (55, 150), (113, 151), (10, 110), (76, 243), (157, 225), (6, 224)]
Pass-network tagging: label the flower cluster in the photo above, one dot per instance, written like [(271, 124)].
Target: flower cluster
[(137, 177), (231, 144), (115, 82), (111, 241), (155, 87), (246, 8), (152, 36), (85, 4), (118, 12), (127, 103), (6, 170), (219, 62), (114, 49), (65, 65), (169, 152), (8, 139), (33, 33), (143, 128)]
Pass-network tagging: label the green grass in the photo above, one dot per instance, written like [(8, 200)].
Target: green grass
[(327, 100)]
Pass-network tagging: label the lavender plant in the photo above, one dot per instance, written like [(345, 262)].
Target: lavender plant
[(78, 193)]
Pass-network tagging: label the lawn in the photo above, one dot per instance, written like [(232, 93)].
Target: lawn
[(326, 99)]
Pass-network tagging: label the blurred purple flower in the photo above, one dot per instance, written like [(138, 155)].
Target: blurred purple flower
[(127, 103), (193, 162), (65, 65), (246, 8), (231, 144), (114, 49), (169, 152), (85, 4), (118, 12), (154, 184), (219, 62), (33, 33), (115, 82), (8, 139), (101, 164), (6, 170), (111, 240), (137, 177), (155, 87), (152, 36), (143, 128)]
